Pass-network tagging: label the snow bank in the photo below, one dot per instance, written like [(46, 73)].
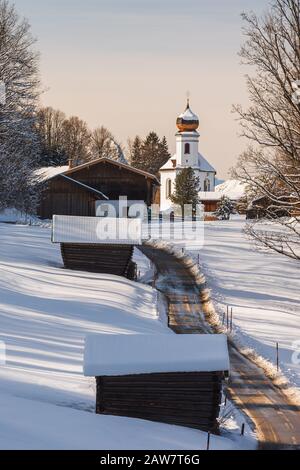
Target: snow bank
[(145, 354), (262, 287), (14, 216), (29, 425), (45, 314)]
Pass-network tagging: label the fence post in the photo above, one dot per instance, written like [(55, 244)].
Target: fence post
[(231, 320), (277, 356), (227, 318), (243, 429), (208, 441)]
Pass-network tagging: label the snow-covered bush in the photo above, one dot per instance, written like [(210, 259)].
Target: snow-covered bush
[(225, 209)]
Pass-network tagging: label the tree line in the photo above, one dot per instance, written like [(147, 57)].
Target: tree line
[(63, 139), (32, 137)]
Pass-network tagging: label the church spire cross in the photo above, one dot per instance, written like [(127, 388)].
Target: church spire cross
[(188, 100)]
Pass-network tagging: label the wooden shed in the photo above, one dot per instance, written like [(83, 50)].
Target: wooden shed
[(75, 191), (175, 379), (96, 244), (263, 206)]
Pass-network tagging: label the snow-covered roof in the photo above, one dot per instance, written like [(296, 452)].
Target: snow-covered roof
[(85, 186), (209, 196), (188, 115), (169, 164), (119, 164), (47, 173), (111, 355), (202, 165), (96, 230), (234, 189)]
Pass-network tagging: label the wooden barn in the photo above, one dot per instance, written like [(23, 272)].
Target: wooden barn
[(75, 191), (263, 206), (174, 379), (96, 244)]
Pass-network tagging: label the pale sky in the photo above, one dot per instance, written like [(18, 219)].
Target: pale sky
[(128, 64)]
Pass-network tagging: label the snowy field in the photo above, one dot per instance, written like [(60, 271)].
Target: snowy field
[(263, 289), (45, 313)]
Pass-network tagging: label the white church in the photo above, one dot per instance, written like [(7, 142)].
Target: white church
[(188, 155)]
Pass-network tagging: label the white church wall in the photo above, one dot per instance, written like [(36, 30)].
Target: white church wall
[(191, 158), (165, 202), (206, 176)]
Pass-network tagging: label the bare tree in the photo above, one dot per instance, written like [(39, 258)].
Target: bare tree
[(50, 126), (105, 145), (271, 165), (76, 140), (19, 149)]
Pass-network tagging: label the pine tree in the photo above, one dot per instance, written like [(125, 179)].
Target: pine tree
[(151, 154), (164, 153), (225, 208), (186, 189), (136, 152)]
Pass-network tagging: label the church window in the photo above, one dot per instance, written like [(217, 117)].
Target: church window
[(168, 188), (187, 149), (207, 185)]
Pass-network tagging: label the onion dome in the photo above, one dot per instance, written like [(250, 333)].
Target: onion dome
[(187, 121)]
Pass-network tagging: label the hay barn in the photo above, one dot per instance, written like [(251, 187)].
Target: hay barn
[(75, 191), (175, 379)]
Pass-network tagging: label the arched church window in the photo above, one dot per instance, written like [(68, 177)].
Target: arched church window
[(187, 149), (168, 188), (207, 185)]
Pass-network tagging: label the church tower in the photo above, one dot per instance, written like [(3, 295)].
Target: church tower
[(187, 156), (187, 139)]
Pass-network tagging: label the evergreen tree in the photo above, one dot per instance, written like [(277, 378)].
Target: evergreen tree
[(151, 154), (186, 189), (225, 208), (164, 154), (136, 152)]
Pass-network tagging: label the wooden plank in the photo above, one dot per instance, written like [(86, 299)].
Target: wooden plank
[(188, 399), (112, 259)]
